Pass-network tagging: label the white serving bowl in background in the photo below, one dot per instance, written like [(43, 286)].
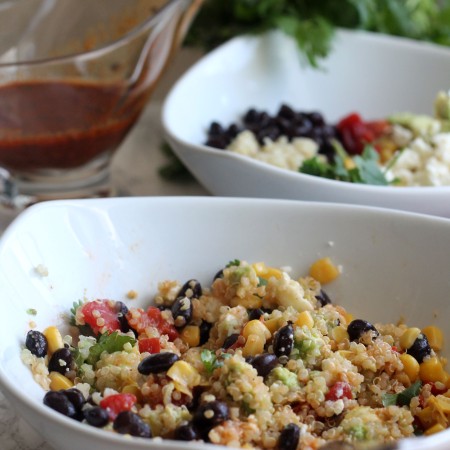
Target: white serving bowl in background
[(392, 267), (373, 74)]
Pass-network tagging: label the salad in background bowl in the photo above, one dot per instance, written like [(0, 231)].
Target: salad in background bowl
[(376, 76)]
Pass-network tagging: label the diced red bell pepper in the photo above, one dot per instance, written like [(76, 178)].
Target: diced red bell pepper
[(339, 390), (150, 345), (151, 318), (117, 403), (101, 316), (355, 133)]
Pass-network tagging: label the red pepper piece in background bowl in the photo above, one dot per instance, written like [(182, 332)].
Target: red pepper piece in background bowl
[(355, 133)]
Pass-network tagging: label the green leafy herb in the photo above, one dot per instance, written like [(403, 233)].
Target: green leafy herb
[(262, 281), (312, 23), (77, 357), (234, 262), (110, 343), (31, 311), (211, 361), (173, 169), (366, 168), (73, 310), (402, 398)]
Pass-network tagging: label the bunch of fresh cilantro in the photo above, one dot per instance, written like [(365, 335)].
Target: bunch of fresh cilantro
[(313, 22)]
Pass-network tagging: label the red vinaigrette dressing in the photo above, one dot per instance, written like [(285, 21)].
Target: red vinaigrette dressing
[(62, 124)]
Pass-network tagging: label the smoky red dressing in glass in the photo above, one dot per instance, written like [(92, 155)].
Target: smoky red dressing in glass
[(62, 124)]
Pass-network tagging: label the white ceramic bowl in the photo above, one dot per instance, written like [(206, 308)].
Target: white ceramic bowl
[(370, 73), (393, 266)]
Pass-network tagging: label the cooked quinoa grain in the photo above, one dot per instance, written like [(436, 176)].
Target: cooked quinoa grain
[(261, 360)]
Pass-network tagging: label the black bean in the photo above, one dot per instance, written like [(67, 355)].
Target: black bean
[(230, 340), (76, 398), (157, 363), (219, 274), (192, 289), (221, 142), (182, 311), (327, 149), (264, 363), (59, 402), (420, 348), (36, 342), (286, 111), (283, 341), (122, 311), (96, 416), (251, 116), (289, 437), (264, 119), (356, 328), (211, 414), (323, 298), (205, 328), (255, 314), (130, 423), (270, 132), (186, 432), (61, 361), (232, 131), (215, 129), (316, 118)]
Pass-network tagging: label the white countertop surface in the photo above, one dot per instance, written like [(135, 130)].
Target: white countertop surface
[(135, 171)]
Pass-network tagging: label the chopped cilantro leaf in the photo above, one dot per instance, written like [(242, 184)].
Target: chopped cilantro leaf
[(234, 262), (365, 170), (210, 360), (73, 311), (110, 343), (402, 398), (262, 282), (31, 311)]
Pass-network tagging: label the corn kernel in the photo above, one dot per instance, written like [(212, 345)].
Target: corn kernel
[(249, 302), (349, 163), (305, 319), (184, 376), (339, 334), (58, 381), (266, 272), (410, 366), (444, 403), (432, 370), (348, 317), (254, 345), (426, 417), (54, 339), (191, 335), (434, 429), (408, 337), (435, 337), (256, 327), (272, 325), (324, 271), (133, 389)]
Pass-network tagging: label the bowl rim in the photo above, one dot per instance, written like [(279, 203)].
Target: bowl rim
[(14, 391), (203, 149)]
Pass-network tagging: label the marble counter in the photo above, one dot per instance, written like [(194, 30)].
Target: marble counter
[(135, 172)]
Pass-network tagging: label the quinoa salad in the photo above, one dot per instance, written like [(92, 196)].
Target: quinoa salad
[(259, 359), (403, 149)]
